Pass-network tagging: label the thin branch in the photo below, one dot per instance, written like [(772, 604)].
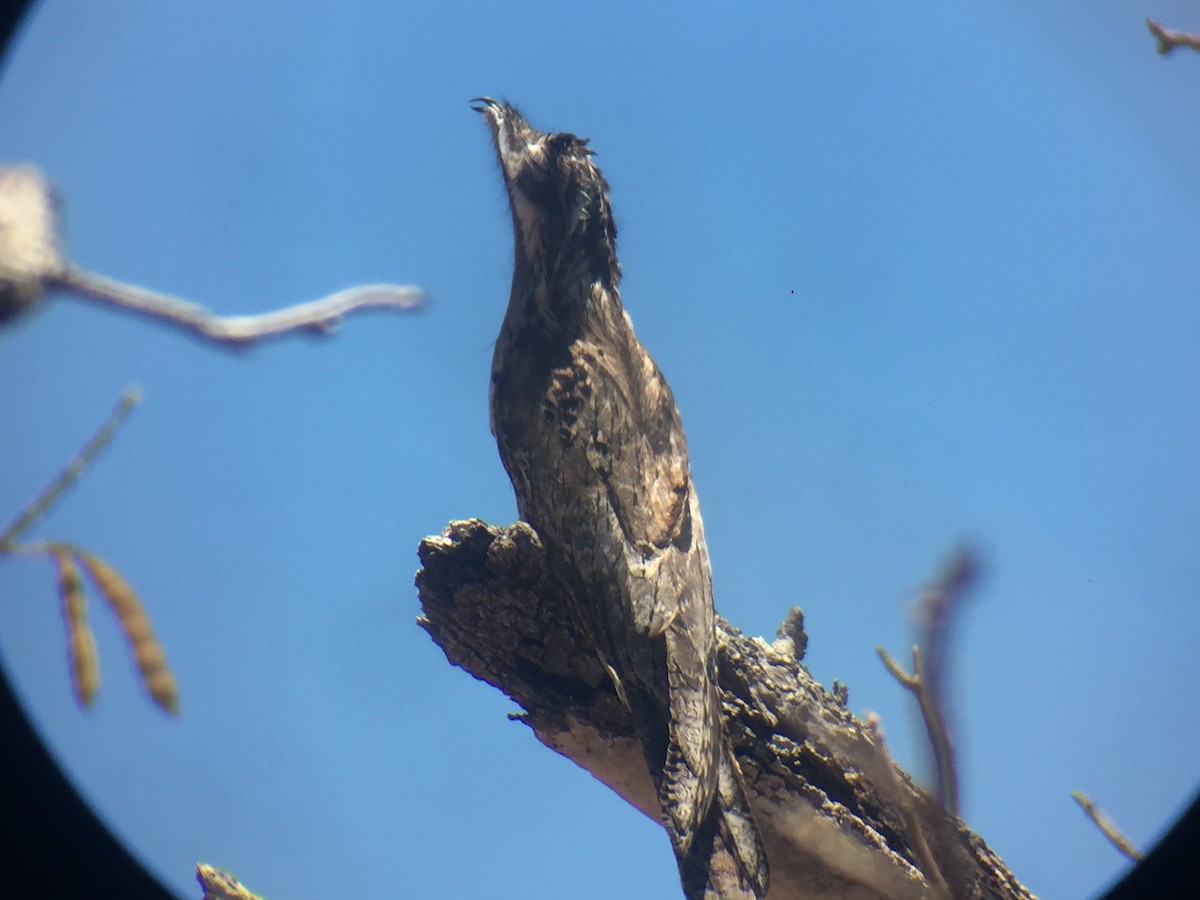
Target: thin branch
[(321, 316), (935, 611), (32, 262), (906, 680), (944, 758), (71, 473), (1105, 824), (1168, 40)]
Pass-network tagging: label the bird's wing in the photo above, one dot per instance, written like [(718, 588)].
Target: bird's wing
[(638, 450)]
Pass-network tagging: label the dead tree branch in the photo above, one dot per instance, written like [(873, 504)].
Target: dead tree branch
[(32, 264), (936, 611), (1168, 40), (1107, 826), (838, 818), (317, 316), (71, 472), (945, 762)]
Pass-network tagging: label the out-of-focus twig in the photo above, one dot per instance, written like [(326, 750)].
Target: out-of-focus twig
[(1105, 824), (317, 316), (71, 472), (32, 263), (1168, 40), (945, 761), (934, 611)]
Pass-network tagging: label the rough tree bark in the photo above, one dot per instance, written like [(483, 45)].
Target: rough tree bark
[(839, 819)]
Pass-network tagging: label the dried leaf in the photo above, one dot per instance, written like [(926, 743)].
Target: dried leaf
[(151, 659), (81, 645)]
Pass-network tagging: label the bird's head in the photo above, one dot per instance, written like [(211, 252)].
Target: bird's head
[(559, 198)]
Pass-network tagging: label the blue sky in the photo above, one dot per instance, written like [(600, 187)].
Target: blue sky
[(915, 275)]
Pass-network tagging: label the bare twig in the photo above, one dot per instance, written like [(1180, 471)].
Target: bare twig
[(32, 262), (1168, 40), (318, 316), (935, 611), (1105, 824), (945, 761), (74, 468)]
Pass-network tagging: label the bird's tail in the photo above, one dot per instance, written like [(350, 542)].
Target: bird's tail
[(726, 858), (704, 806)]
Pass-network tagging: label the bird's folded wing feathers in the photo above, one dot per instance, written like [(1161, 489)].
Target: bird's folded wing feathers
[(648, 485)]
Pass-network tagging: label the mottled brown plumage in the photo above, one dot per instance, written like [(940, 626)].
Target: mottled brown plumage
[(591, 438)]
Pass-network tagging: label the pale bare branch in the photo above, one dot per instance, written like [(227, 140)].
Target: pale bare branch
[(32, 264), (1168, 40), (317, 316), (1106, 825), (71, 473)]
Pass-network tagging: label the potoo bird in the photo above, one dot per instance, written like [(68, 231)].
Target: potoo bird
[(591, 438)]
